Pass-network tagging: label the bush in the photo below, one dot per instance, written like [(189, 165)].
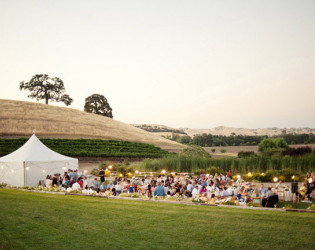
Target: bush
[(244, 154), (297, 151), (195, 152), (223, 151), (213, 170)]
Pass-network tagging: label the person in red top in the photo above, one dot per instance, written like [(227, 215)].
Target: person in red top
[(203, 191), (81, 182), (229, 174)]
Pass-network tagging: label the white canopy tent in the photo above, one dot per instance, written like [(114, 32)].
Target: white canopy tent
[(33, 162)]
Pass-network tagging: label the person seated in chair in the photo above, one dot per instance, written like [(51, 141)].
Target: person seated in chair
[(271, 199)]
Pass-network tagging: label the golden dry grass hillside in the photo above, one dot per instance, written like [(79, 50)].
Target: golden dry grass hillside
[(18, 119)]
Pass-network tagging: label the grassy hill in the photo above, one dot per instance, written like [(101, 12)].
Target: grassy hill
[(18, 119)]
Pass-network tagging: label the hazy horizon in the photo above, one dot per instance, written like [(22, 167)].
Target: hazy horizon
[(182, 64)]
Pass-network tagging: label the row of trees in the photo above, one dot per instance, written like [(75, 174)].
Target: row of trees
[(208, 140), (43, 87)]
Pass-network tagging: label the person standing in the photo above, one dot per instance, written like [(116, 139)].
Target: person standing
[(102, 175)]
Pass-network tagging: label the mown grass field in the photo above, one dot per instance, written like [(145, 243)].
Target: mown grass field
[(46, 221)]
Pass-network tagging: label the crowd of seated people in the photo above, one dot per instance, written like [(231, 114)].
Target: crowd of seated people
[(210, 187)]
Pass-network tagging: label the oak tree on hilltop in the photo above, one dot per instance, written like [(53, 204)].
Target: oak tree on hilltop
[(43, 87), (99, 105)]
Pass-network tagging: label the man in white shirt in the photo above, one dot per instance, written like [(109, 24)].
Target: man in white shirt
[(76, 186), (195, 191), (118, 188), (225, 192)]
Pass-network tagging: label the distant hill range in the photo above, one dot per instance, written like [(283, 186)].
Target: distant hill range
[(226, 131), (18, 119)]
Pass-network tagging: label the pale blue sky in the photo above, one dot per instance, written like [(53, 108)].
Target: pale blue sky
[(196, 64)]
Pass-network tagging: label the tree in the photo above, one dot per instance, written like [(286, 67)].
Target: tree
[(98, 104), (195, 152), (213, 150), (270, 144), (42, 87)]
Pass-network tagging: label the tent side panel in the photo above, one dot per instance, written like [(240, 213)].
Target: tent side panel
[(38, 171), (12, 173)]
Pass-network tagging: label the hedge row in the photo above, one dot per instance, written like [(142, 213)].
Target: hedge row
[(90, 148)]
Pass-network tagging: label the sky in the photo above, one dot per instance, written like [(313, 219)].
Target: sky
[(185, 64)]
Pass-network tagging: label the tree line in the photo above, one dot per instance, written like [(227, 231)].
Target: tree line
[(209, 140), (44, 87)]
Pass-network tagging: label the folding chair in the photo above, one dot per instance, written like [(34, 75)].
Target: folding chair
[(256, 200)]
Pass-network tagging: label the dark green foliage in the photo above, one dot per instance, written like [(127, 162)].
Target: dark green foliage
[(223, 151), (269, 144), (90, 148), (43, 87), (99, 105), (208, 140), (297, 151), (243, 154), (259, 164), (195, 152)]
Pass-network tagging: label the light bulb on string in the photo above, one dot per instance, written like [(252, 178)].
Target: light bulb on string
[(43, 170), (27, 168), (12, 170)]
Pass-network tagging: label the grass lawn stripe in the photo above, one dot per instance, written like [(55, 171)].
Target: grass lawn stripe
[(36, 220)]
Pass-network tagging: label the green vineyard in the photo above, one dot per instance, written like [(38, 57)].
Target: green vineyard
[(90, 148)]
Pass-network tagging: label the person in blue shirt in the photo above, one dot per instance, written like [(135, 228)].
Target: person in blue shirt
[(159, 190)]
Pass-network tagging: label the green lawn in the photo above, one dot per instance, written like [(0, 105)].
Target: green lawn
[(46, 221)]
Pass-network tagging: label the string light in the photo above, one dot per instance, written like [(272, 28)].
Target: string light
[(137, 171), (275, 179), (262, 173), (293, 177), (64, 168), (27, 168), (43, 170), (249, 174), (110, 167), (12, 170), (207, 175), (85, 171), (2, 167), (238, 176)]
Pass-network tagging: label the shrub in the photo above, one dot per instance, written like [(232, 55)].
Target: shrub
[(195, 152), (223, 151), (297, 151), (213, 170), (244, 154)]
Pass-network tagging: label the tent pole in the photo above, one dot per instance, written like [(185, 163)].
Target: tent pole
[(24, 172)]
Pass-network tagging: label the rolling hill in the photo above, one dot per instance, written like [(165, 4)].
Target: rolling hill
[(225, 131), (19, 118)]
